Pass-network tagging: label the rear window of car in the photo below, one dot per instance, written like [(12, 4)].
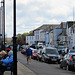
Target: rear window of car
[(72, 51), (51, 51)]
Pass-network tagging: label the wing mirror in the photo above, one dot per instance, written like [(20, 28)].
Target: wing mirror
[(43, 53)]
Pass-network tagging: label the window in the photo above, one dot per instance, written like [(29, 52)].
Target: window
[(27, 37), (30, 37), (37, 36)]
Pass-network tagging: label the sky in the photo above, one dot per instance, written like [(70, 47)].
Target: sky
[(34, 13)]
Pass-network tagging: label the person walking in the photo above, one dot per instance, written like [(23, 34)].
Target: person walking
[(28, 54)]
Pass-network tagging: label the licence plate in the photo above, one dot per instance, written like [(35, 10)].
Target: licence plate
[(54, 60)]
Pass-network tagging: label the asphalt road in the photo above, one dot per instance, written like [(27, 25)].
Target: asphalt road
[(41, 68)]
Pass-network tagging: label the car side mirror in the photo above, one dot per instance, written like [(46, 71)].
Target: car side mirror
[(43, 53)]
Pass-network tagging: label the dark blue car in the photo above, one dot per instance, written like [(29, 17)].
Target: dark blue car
[(68, 61)]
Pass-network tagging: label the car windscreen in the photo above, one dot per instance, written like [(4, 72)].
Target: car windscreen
[(60, 47), (51, 51), (72, 51), (35, 51)]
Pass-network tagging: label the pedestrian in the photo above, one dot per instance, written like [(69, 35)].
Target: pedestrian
[(6, 63), (3, 54), (28, 54), (7, 50)]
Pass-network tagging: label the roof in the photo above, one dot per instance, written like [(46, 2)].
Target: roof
[(72, 53), (44, 26), (50, 27), (50, 48)]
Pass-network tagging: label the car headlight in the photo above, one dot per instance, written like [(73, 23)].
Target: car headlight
[(47, 56)]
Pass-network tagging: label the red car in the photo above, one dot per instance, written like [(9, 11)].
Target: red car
[(23, 52), (34, 54)]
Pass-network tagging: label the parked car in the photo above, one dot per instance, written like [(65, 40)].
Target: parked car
[(50, 54), (33, 49), (61, 49), (23, 51), (72, 51), (34, 54), (39, 54), (40, 45), (68, 61)]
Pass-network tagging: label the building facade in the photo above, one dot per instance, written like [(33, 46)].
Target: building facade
[(30, 39)]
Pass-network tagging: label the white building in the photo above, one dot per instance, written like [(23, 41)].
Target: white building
[(73, 36), (39, 35), (30, 39), (70, 35)]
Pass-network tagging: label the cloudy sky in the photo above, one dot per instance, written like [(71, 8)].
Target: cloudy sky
[(34, 13)]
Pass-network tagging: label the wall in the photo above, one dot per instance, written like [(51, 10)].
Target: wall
[(56, 32), (47, 39), (30, 40)]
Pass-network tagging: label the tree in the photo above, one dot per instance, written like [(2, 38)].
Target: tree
[(24, 36), (19, 39), (30, 32)]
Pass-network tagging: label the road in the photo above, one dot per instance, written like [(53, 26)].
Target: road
[(41, 68)]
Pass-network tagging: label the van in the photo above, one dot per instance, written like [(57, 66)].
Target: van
[(40, 45)]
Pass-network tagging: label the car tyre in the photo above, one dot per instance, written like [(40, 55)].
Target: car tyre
[(45, 60), (39, 59), (42, 59), (68, 68), (58, 62), (61, 66)]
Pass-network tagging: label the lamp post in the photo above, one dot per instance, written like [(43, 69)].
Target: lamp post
[(14, 36), (14, 42), (3, 5), (4, 20)]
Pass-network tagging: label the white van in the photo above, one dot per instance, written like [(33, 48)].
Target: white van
[(40, 45)]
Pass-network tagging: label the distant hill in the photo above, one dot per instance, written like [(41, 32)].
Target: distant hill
[(8, 40)]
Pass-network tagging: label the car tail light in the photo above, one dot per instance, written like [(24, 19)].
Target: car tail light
[(70, 58)]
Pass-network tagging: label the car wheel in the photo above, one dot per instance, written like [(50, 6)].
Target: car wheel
[(68, 68), (58, 62), (45, 60), (61, 66), (39, 59), (42, 59)]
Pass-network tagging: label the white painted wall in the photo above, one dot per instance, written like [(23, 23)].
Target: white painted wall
[(42, 36), (30, 39), (39, 36), (73, 40)]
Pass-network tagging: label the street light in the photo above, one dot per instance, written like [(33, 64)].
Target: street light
[(14, 43), (14, 36), (3, 5)]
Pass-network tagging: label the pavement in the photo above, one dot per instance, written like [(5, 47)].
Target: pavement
[(22, 70)]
